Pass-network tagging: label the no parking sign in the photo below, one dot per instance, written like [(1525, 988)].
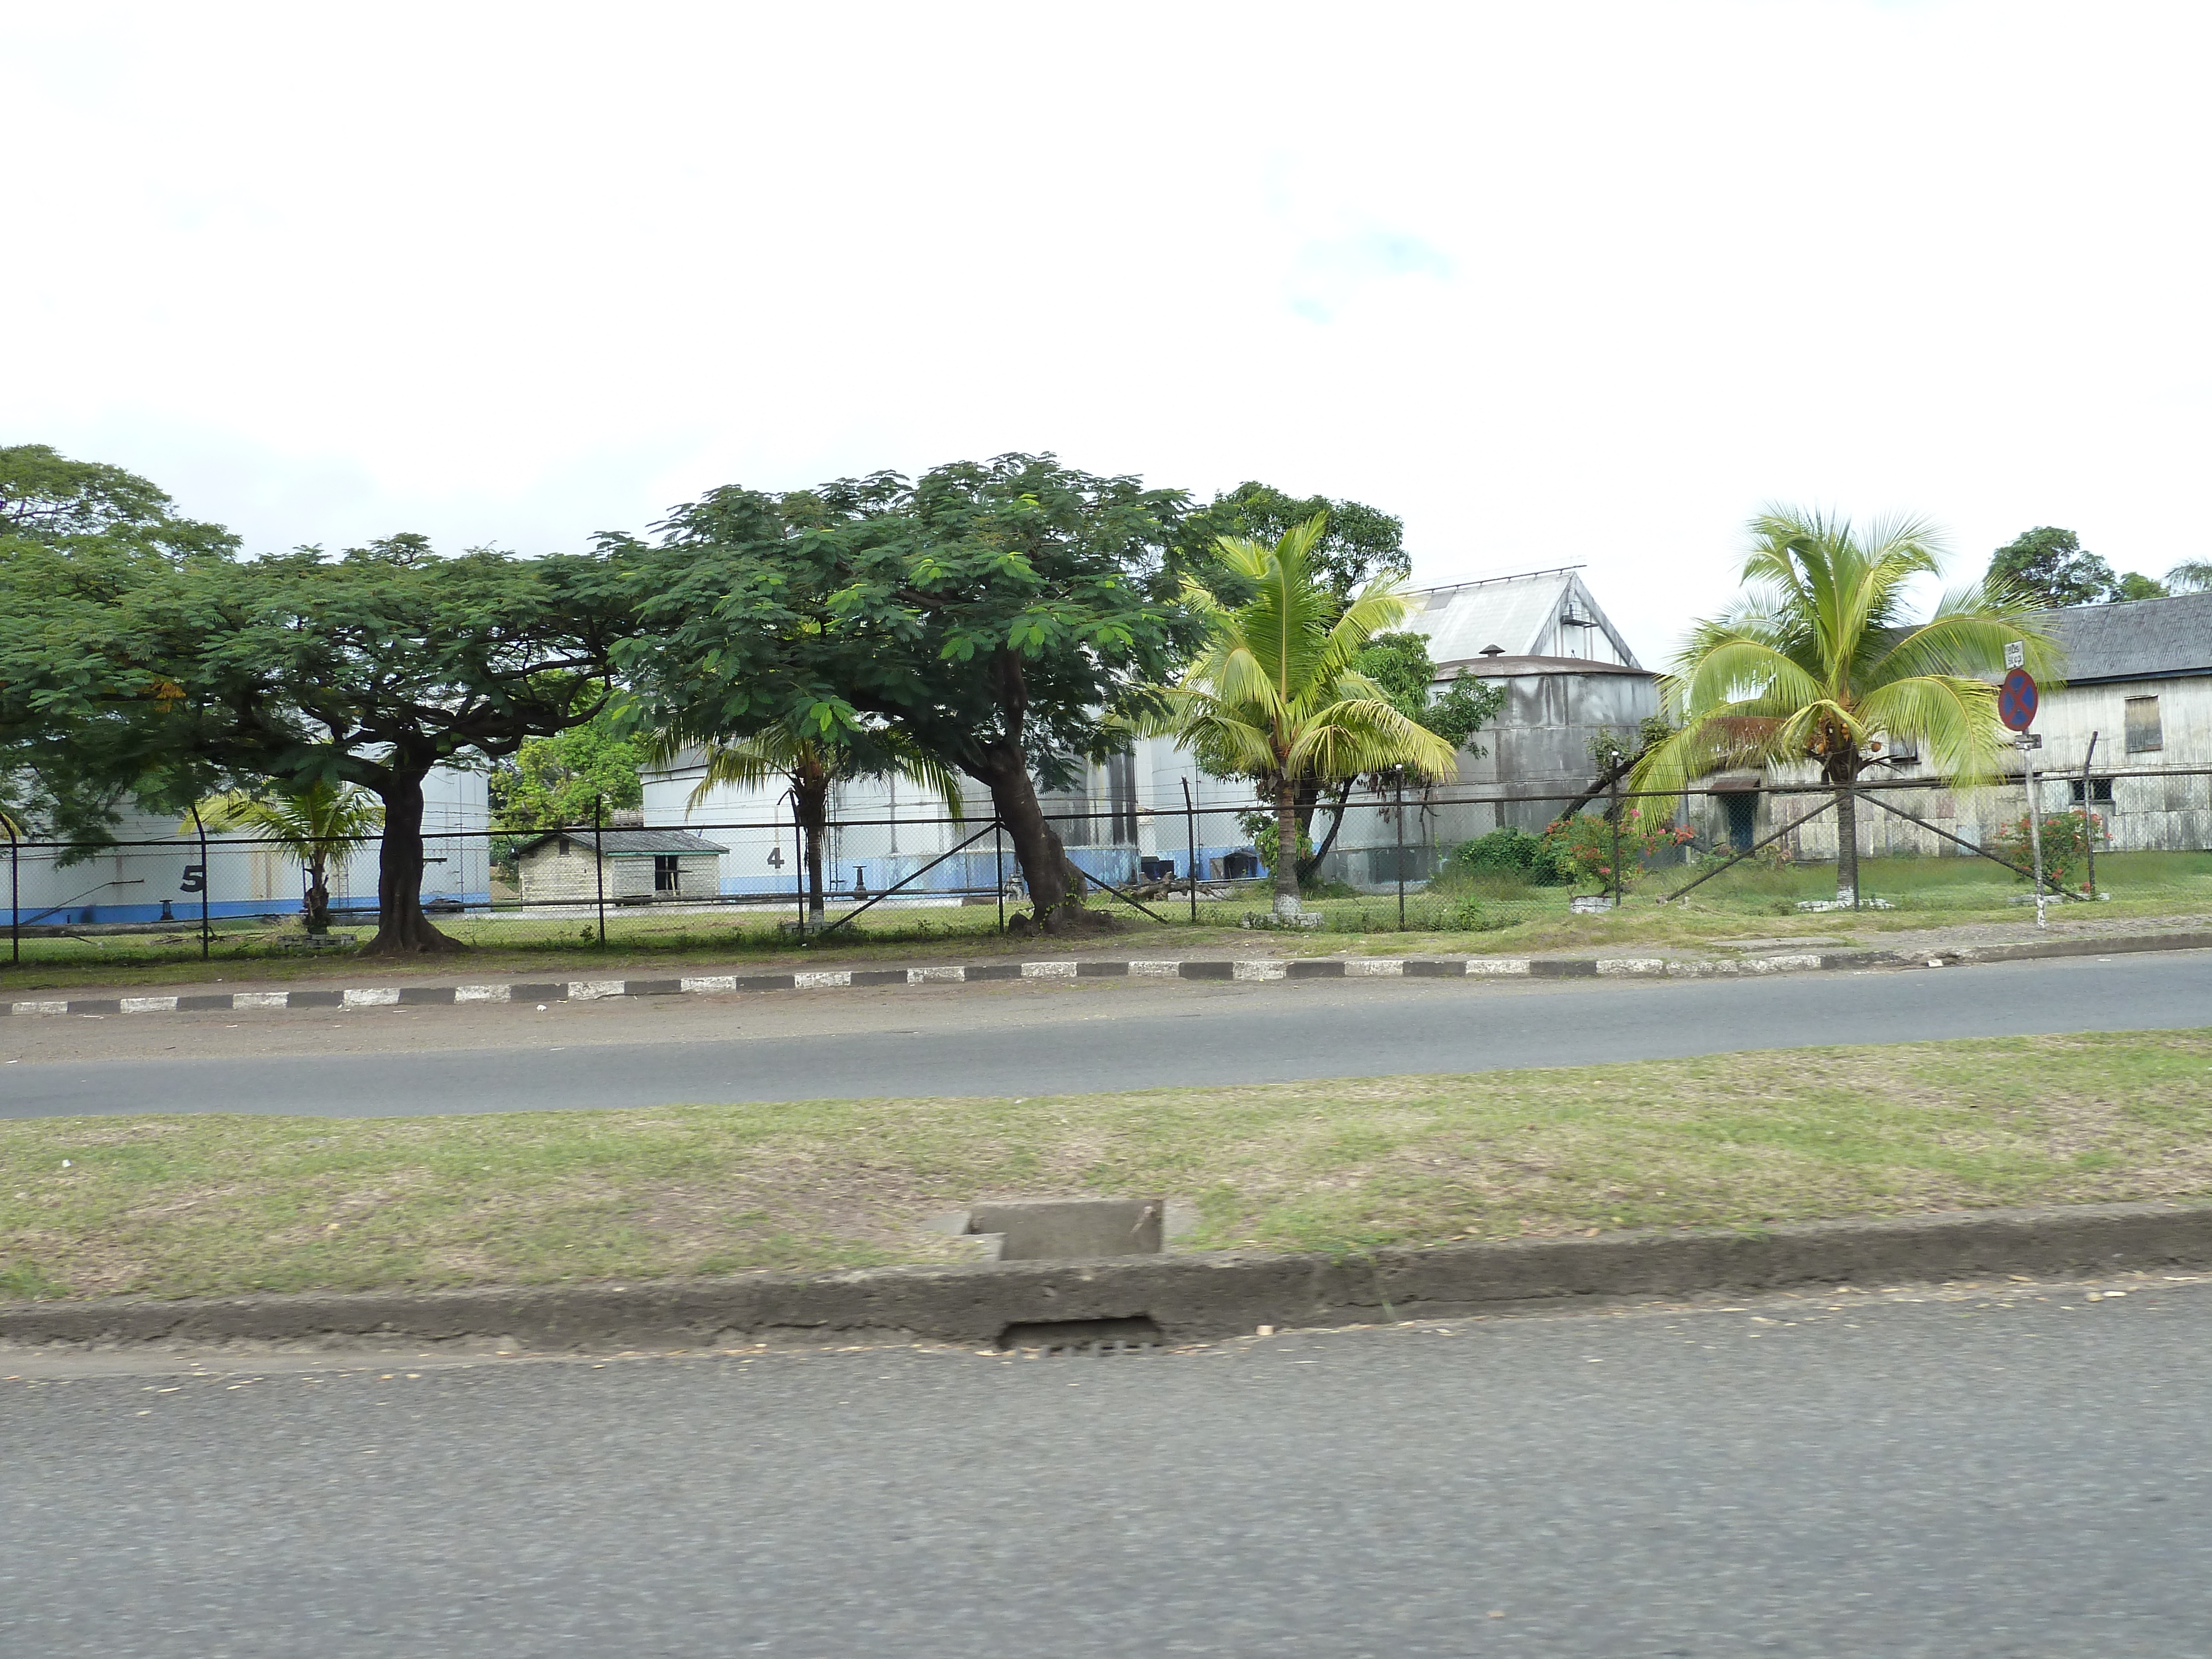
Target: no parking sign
[(2017, 699)]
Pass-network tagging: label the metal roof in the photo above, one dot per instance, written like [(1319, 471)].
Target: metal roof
[(628, 843), (1545, 613), (2134, 639), (1503, 667)]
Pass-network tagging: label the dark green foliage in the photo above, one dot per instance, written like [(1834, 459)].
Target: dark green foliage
[(76, 538), (2049, 567), (2135, 586), (1400, 664), (549, 782), (1507, 852), (1360, 544), (47, 498), (144, 659), (998, 613)]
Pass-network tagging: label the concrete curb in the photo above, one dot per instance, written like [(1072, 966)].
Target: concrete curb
[(1193, 1298), (1262, 968)]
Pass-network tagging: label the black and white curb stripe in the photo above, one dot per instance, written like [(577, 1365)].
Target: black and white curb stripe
[(593, 990), (1246, 971)]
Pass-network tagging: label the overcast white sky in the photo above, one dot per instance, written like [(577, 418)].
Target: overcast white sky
[(1558, 284)]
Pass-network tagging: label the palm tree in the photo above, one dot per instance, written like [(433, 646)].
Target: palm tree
[(1273, 696), (811, 763), (2190, 576), (308, 823), (1819, 661)]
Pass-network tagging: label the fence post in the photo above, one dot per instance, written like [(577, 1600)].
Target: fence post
[(15, 893), (204, 882), (1190, 843), (1402, 849), (2034, 827), (1615, 817), (798, 863), (2089, 817), (600, 862), (999, 865)]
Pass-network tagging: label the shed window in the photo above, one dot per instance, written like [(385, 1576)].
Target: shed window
[(2143, 726), (667, 872), (2094, 790)]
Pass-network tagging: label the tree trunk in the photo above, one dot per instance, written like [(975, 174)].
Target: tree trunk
[(1054, 894), (813, 802), (1286, 849), (402, 929), (1309, 868), (318, 903), (1847, 846)]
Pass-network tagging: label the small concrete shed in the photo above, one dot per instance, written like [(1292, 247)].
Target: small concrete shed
[(641, 867)]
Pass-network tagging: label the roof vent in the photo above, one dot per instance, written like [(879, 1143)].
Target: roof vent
[(1492, 651)]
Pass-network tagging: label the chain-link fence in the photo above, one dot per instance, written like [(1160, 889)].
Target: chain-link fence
[(1444, 861)]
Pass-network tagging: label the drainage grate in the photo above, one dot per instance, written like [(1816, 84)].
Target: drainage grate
[(1084, 1336)]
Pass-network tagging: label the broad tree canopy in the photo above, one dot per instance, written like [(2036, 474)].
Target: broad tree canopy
[(153, 662), (84, 722), (998, 614)]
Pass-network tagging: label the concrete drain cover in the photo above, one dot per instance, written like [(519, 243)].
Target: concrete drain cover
[(1092, 1336)]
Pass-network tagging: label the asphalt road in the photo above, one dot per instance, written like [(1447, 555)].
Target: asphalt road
[(1032, 1039), (1969, 1478)]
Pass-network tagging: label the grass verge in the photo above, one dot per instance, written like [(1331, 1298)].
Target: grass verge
[(1457, 917), (173, 1206)]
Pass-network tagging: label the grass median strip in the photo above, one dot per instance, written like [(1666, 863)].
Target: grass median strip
[(186, 1206)]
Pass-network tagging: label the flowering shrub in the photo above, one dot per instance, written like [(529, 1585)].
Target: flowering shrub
[(2067, 837), (1580, 847)]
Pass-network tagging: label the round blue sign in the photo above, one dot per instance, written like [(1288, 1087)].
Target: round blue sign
[(2017, 699)]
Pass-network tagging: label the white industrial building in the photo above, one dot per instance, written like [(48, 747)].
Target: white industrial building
[(150, 867)]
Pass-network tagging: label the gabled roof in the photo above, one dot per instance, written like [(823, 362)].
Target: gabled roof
[(1543, 613), (1506, 667), (2136, 640), (628, 843)]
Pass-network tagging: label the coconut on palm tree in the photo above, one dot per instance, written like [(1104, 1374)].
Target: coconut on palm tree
[(1819, 660), (1273, 695), (811, 763), (310, 824)]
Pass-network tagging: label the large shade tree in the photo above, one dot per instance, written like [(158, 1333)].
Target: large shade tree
[(1820, 659), (376, 666), (164, 675), (76, 711), (998, 615), (1274, 693)]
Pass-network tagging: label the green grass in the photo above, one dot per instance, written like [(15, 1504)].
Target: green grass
[(178, 1206), (1508, 917)]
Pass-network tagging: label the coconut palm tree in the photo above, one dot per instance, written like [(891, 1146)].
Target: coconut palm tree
[(811, 763), (1818, 660), (309, 824), (2190, 576), (1273, 696)]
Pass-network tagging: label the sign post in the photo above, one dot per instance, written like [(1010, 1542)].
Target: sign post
[(2017, 700)]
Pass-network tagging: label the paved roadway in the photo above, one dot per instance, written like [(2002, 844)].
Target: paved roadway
[(1031, 1038), (1981, 1477)]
